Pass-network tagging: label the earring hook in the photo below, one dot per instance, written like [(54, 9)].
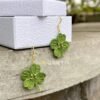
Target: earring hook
[(59, 25)]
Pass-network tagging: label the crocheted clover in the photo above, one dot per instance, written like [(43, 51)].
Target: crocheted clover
[(32, 77), (59, 45)]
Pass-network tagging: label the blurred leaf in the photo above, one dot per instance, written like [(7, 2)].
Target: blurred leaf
[(54, 44)]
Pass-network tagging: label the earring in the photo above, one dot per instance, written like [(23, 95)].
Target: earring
[(59, 45), (32, 77)]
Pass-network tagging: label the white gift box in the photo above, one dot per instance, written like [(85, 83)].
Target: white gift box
[(25, 32), (32, 8)]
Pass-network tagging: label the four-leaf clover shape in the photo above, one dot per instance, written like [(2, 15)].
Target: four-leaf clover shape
[(32, 77), (59, 45)]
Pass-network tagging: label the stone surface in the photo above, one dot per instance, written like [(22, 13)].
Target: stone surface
[(89, 27), (89, 90), (73, 93), (80, 63)]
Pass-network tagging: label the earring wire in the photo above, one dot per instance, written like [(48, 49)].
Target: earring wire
[(59, 25)]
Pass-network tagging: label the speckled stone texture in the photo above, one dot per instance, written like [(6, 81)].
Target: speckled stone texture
[(89, 90)]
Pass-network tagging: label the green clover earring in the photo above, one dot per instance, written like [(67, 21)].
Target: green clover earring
[(32, 77), (59, 45)]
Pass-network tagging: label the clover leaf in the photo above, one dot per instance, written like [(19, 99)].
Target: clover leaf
[(59, 45), (32, 77), (54, 44), (28, 84), (58, 53), (35, 69), (61, 37), (25, 75)]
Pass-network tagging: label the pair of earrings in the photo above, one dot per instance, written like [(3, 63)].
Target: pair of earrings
[(32, 77)]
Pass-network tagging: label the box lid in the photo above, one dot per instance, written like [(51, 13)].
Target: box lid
[(32, 7)]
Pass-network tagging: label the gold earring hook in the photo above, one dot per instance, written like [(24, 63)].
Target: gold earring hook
[(59, 25), (33, 53)]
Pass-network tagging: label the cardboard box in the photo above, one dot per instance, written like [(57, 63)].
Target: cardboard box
[(32, 8), (25, 32)]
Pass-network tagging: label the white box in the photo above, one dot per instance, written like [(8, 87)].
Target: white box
[(32, 8), (25, 32)]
